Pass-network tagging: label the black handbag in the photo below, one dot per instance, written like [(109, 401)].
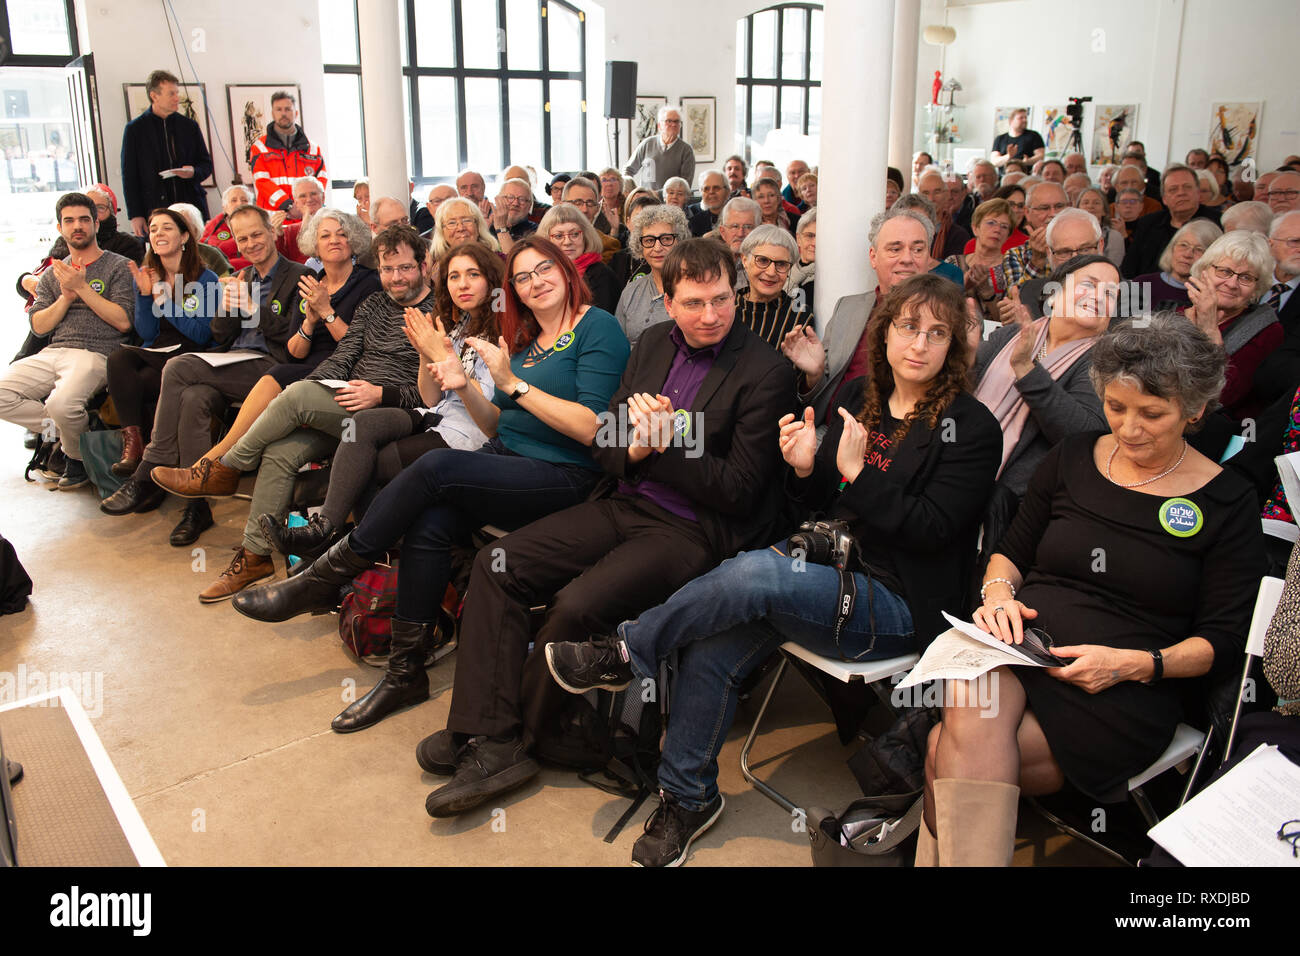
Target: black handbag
[(872, 831)]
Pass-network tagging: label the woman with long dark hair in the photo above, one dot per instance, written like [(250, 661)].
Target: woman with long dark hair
[(555, 367), (176, 298), (906, 467)]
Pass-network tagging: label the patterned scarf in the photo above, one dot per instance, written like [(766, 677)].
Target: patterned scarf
[(1277, 507)]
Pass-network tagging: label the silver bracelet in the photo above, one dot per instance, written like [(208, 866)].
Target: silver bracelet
[(984, 587), (303, 334)]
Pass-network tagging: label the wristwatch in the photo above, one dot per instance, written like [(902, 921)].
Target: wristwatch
[(520, 390), (329, 319), (1160, 666)]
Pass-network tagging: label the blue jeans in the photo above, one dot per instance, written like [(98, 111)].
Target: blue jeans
[(725, 624), (438, 501)]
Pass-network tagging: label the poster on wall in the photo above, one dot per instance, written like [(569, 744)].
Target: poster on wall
[(1234, 128), (647, 117), (1056, 130), (699, 126), (1112, 130), (250, 115), (1002, 118), (194, 105)]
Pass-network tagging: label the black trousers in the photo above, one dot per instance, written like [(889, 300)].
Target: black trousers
[(134, 381), (597, 564)]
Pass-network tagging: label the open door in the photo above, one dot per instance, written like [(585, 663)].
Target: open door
[(87, 140)]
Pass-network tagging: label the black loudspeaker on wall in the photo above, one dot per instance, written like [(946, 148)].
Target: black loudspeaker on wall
[(620, 89)]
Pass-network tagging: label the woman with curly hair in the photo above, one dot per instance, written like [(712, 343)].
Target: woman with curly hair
[(907, 467)]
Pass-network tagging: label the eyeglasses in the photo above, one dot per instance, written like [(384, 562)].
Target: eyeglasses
[(1245, 278), (696, 307), (666, 240), (521, 279), (103, 208), (1054, 207), (1189, 247), (513, 200), (1287, 194), (1289, 243), (745, 227), (1066, 254), (669, 122), (782, 266), (574, 236), (908, 333), (405, 270), (996, 224), (457, 223), (1129, 202), (583, 203)]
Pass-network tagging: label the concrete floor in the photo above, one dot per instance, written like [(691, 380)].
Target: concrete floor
[(219, 725)]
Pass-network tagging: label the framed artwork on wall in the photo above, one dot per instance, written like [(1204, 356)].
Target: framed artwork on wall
[(647, 118), (250, 114), (1112, 131), (194, 104), (700, 126), (1234, 130)]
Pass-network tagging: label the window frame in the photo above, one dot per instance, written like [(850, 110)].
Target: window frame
[(779, 83), (352, 69), (41, 59)]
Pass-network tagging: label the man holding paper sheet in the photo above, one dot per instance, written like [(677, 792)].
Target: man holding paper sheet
[(261, 310), (1141, 559)]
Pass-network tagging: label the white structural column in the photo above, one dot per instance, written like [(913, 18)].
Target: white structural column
[(381, 97), (857, 71), (902, 100)]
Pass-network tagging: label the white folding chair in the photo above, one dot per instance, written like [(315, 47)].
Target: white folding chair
[(868, 672)]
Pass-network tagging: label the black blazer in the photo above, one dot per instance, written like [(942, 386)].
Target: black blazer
[(928, 505), (700, 220), (1278, 376), (1149, 235), (278, 320), (734, 484)]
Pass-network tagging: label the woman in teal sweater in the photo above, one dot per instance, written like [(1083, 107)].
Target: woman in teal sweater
[(555, 367), (176, 298)]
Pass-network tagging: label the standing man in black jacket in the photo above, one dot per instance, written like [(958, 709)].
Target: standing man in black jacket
[(691, 439), (164, 158)]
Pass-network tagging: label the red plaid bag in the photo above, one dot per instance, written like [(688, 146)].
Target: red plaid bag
[(366, 614)]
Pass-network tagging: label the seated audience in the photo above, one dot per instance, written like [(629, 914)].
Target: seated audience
[(795, 171), (1174, 603), (387, 440), (308, 196), (582, 192), (1149, 235), (911, 502), (673, 516), (1284, 192), (767, 193), (920, 163), (1211, 198), (655, 230), (949, 237), (458, 221), (1015, 199), (1251, 216), (554, 368), (471, 185), (703, 216), (1168, 287), (1072, 232), (736, 170), (677, 192), (1028, 261), (1280, 370), (209, 256), (577, 238), (1033, 376), (893, 186), (612, 199), (740, 216), (510, 221), (982, 267), (84, 303), (1074, 184), (261, 311), (804, 271), (379, 368), (1093, 200), (623, 264), (1226, 289), (388, 211), (176, 298), (768, 254), (1053, 171), (808, 191)]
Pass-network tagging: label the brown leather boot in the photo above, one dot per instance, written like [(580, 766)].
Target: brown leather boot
[(246, 568), (205, 478), (132, 452)]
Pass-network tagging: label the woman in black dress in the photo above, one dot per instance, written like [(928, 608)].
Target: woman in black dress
[(1140, 558)]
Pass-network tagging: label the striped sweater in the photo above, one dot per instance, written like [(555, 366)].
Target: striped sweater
[(374, 349), (772, 320)]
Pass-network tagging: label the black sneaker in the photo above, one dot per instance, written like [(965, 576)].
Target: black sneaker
[(582, 666), (487, 769), (74, 475), (440, 753), (671, 830), (55, 462)]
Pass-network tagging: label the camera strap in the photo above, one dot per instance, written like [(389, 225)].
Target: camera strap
[(848, 598)]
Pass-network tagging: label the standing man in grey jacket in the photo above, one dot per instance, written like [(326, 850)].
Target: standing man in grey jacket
[(660, 158)]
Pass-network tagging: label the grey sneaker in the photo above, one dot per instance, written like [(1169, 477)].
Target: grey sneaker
[(74, 475)]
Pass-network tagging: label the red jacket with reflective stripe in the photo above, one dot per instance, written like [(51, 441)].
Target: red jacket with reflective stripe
[(275, 168)]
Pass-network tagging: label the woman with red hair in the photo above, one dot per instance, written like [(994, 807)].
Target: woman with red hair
[(555, 366)]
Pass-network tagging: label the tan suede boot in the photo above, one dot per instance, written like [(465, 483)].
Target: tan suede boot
[(927, 849), (976, 820)]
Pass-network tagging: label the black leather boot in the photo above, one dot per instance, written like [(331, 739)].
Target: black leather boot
[(405, 682), (316, 589), (307, 541)]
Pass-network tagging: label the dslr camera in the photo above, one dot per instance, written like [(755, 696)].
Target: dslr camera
[(825, 542)]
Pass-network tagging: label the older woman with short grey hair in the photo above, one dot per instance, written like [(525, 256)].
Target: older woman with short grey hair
[(1225, 288), (1167, 289), (1251, 216), (768, 255), (460, 220), (568, 228), (677, 192), (804, 270), (1161, 596), (655, 230), (218, 233)]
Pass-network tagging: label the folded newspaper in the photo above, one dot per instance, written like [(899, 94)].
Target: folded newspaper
[(964, 652)]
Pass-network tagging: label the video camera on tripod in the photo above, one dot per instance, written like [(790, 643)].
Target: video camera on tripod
[(1075, 110)]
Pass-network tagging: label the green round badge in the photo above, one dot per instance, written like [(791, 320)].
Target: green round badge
[(191, 303), (1180, 517), (302, 306), (275, 307), (682, 422), (97, 285), (563, 342), (223, 235)]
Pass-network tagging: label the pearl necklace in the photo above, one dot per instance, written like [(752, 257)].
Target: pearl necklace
[(1139, 484)]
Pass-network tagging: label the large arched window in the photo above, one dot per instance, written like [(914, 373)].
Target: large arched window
[(778, 73), (492, 82)]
